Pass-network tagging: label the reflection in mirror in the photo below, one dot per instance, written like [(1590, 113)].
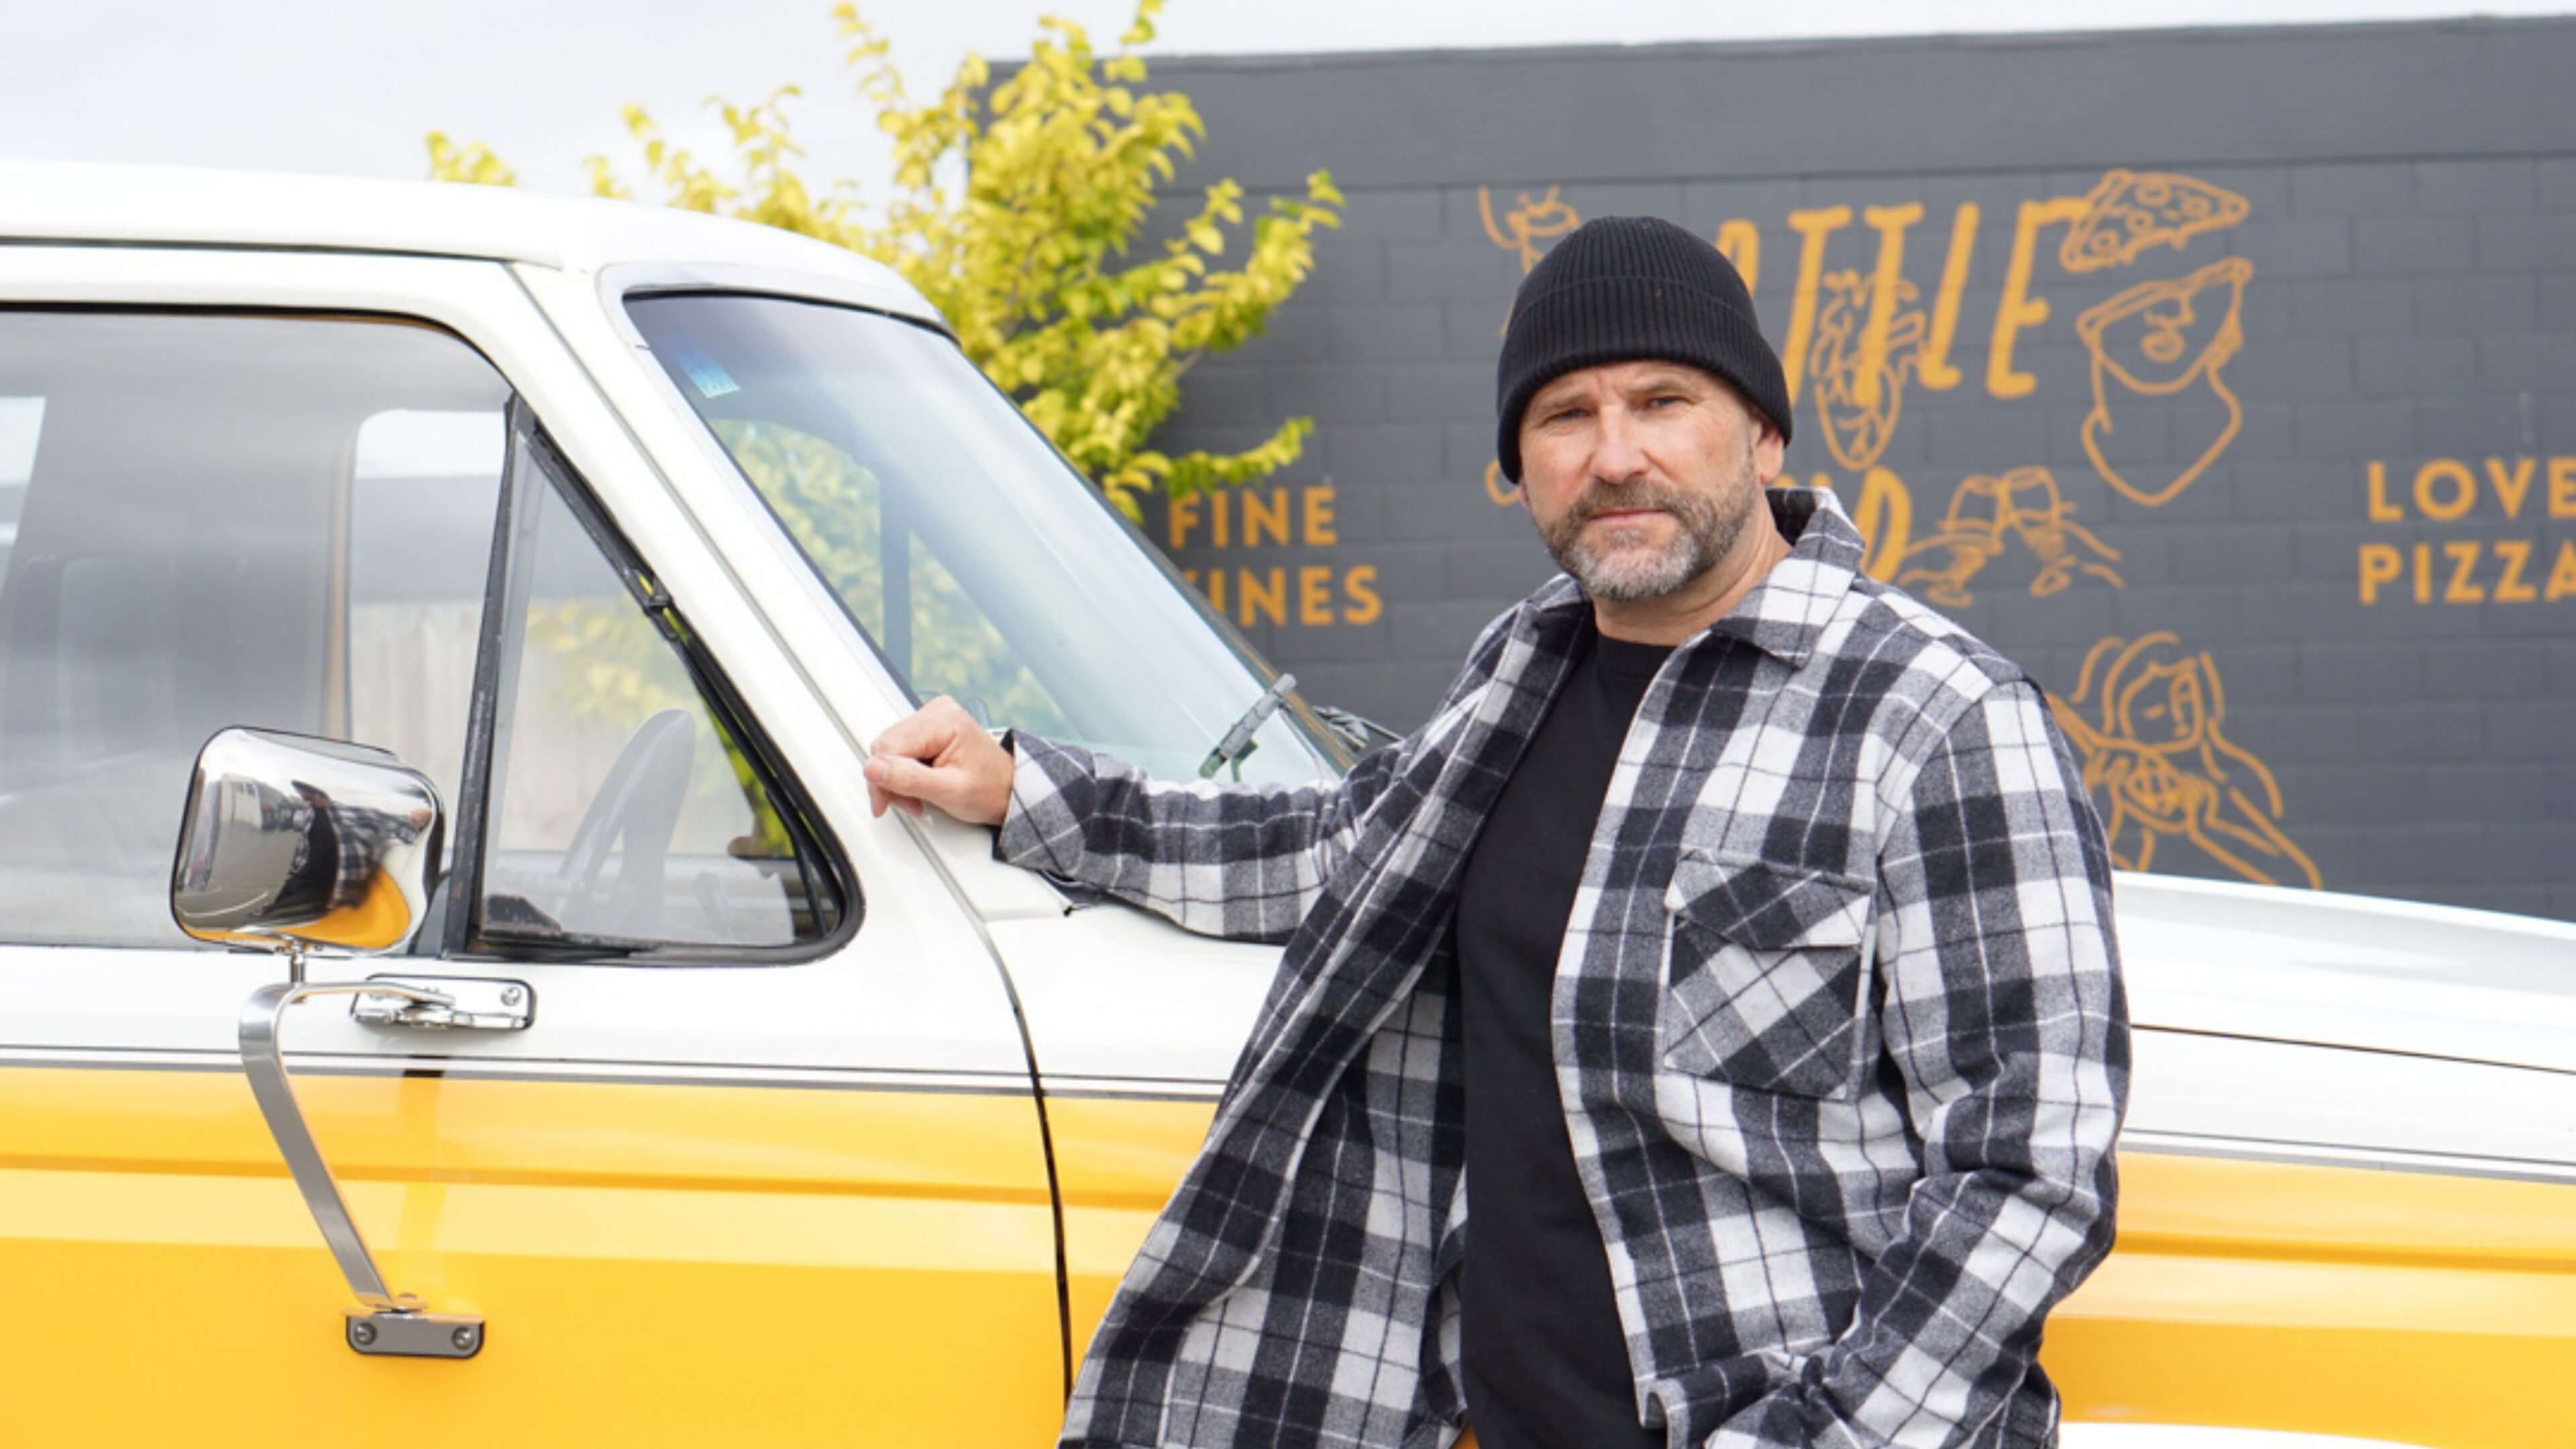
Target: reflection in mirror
[(290, 839)]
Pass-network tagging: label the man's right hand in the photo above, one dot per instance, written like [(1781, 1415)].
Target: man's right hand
[(939, 755)]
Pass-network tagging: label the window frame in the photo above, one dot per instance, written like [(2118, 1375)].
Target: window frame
[(823, 862), (627, 286), (827, 864)]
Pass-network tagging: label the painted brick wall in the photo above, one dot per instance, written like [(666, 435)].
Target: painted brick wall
[(2230, 386)]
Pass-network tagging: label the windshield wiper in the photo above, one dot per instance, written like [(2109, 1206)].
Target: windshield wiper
[(1357, 732), (1237, 742)]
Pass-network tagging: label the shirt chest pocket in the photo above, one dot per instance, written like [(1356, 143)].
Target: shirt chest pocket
[(1765, 975)]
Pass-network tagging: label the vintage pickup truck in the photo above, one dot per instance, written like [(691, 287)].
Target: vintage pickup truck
[(491, 598)]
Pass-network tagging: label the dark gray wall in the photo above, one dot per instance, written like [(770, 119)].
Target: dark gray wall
[(2407, 255)]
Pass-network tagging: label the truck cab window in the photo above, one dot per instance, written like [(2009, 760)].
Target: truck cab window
[(203, 525)]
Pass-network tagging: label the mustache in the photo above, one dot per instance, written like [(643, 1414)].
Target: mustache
[(1627, 498)]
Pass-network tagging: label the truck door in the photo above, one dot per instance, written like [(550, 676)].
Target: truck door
[(753, 1155)]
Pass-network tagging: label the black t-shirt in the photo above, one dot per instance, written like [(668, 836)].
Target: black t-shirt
[(1545, 1358)]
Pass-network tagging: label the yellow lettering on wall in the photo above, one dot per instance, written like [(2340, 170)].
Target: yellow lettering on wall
[(1265, 513), (1364, 606), (1320, 532), (2464, 489), (1933, 369), (1740, 241), (2423, 573), (1183, 516), (1314, 595), (1217, 511), (2381, 510), (2019, 309), (1264, 595), (1890, 223), (2562, 487), (1812, 227), (2463, 554), (2511, 491), (2380, 563), (2562, 574), (2516, 553), (1264, 592)]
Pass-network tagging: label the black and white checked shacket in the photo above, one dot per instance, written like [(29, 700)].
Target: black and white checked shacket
[(1838, 1029)]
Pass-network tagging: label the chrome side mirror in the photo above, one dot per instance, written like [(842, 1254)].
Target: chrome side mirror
[(289, 841)]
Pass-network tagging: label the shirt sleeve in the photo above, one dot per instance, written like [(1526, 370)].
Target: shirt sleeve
[(1243, 862), (2002, 1008)]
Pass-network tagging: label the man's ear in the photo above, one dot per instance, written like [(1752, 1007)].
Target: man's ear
[(1770, 450)]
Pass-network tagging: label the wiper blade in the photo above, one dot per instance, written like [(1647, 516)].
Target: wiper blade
[(1356, 731), (1237, 742)]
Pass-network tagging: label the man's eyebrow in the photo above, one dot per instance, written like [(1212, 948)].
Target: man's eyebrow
[(1662, 378)]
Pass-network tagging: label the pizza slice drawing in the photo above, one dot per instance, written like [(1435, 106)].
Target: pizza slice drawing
[(2129, 211)]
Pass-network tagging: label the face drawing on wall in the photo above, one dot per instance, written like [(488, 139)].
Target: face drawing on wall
[(1855, 432), (1987, 516), (2161, 346), (2147, 719)]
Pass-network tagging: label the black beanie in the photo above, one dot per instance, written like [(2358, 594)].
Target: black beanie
[(1625, 288)]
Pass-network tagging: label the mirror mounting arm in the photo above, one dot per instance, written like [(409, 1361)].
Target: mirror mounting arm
[(393, 1323)]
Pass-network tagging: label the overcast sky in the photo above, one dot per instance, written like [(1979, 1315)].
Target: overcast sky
[(349, 86)]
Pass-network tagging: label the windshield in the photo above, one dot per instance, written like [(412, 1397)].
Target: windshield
[(976, 560)]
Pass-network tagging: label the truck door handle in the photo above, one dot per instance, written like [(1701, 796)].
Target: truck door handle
[(445, 1003), (392, 1323)]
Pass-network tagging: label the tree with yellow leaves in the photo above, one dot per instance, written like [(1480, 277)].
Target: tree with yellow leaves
[(1027, 256)]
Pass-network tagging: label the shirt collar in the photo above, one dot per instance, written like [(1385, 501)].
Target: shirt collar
[(1785, 613)]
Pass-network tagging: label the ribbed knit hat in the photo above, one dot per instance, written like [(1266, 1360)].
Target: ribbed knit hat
[(1624, 288)]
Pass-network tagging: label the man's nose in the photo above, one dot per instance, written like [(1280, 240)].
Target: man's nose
[(1619, 451)]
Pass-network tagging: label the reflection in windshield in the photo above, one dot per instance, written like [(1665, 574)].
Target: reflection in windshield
[(972, 556)]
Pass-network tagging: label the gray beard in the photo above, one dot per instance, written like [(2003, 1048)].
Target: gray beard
[(1627, 576)]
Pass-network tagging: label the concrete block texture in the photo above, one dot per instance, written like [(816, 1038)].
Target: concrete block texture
[(2527, 243), (2396, 370), (2500, 184), (2416, 243), (2556, 176), (2470, 306), (2352, 188), (2195, 412)]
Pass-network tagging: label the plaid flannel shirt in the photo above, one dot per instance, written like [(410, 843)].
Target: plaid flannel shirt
[(1838, 1029)]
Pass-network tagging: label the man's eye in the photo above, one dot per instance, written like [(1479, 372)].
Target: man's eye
[(1562, 415), (1662, 398)]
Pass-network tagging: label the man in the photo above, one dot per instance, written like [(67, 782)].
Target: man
[(1734, 937)]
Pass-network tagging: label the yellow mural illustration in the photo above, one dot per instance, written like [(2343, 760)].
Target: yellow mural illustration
[(2129, 211), (1857, 405), (2147, 718), (1528, 224), (1986, 518), (2163, 340), (1866, 336), (1884, 518)]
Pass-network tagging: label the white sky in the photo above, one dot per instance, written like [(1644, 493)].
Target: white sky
[(349, 86)]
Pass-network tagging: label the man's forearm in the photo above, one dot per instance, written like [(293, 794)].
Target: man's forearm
[(1238, 861)]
